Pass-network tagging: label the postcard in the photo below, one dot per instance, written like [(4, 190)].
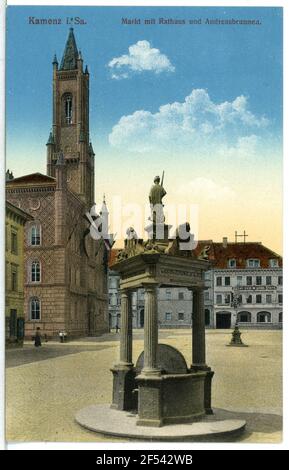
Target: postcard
[(144, 281)]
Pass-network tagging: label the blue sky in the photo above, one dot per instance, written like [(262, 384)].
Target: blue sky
[(240, 65)]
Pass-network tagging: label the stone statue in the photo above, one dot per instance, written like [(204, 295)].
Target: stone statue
[(156, 195)]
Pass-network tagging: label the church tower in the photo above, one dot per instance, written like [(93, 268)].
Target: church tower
[(70, 126)]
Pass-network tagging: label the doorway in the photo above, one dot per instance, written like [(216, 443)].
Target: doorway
[(223, 320), (141, 318)]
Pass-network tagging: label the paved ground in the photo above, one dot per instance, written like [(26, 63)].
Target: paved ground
[(46, 386)]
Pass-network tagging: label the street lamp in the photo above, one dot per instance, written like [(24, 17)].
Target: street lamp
[(236, 301)]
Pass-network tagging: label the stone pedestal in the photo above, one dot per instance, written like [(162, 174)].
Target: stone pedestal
[(170, 398)]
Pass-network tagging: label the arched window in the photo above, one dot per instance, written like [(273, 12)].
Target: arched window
[(244, 317), (35, 309), (35, 235), (35, 271), (67, 108), (263, 317)]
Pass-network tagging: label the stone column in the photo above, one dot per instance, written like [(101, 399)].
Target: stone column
[(199, 341), (199, 346), (123, 397), (150, 331), (125, 358)]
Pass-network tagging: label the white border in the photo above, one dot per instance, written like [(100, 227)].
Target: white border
[(128, 445)]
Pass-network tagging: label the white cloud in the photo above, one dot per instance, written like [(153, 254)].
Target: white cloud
[(141, 57), (196, 124), (205, 190)]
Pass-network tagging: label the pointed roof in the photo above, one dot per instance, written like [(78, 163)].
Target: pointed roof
[(70, 55), (50, 139)]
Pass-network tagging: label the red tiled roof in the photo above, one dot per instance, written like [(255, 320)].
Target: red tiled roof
[(112, 256), (219, 254)]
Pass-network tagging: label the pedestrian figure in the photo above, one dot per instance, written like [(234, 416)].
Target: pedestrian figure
[(37, 341)]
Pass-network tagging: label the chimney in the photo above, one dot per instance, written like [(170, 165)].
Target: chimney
[(225, 242)]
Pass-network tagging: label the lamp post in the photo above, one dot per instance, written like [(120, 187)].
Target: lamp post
[(236, 301)]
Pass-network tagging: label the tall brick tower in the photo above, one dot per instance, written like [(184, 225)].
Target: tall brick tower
[(70, 126), (65, 283)]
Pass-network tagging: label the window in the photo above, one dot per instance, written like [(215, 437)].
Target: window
[(207, 317), (232, 263), (219, 299), (35, 271), (68, 109), (263, 317), (206, 295), (280, 280), (218, 281), (280, 317), (249, 299), (258, 299), (280, 298), (35, 311), (207, 276), (181, 296), (268, 298), (168, 294), (273, 263), (227, 281), (181, 316), (253, 263), (239, 280), (35, 235), (14, 278), (244, 317), (268, 280), (14, 242), (227, 298), (249, 280), (168, 316), (259, 280)]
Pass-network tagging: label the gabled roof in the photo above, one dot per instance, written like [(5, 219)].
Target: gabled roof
[(33, 178), (220, 254), (70, 55)]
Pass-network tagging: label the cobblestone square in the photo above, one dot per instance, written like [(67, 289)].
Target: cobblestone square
[(46, 386)]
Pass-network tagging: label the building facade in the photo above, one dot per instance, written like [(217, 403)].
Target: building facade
[(14, 270), (65, 268), (243, 286)]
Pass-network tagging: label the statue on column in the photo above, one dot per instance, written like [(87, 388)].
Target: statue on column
[(156, 195)]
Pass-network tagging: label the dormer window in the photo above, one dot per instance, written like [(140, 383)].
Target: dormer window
[(232, 263), (253, 263), (273, 263)]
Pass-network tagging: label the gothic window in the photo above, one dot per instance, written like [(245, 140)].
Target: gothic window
[(35, 271), (35, 309), (35, 235), (67, 103)]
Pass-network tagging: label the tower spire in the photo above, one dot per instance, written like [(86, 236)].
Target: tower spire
[(70, 55)]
